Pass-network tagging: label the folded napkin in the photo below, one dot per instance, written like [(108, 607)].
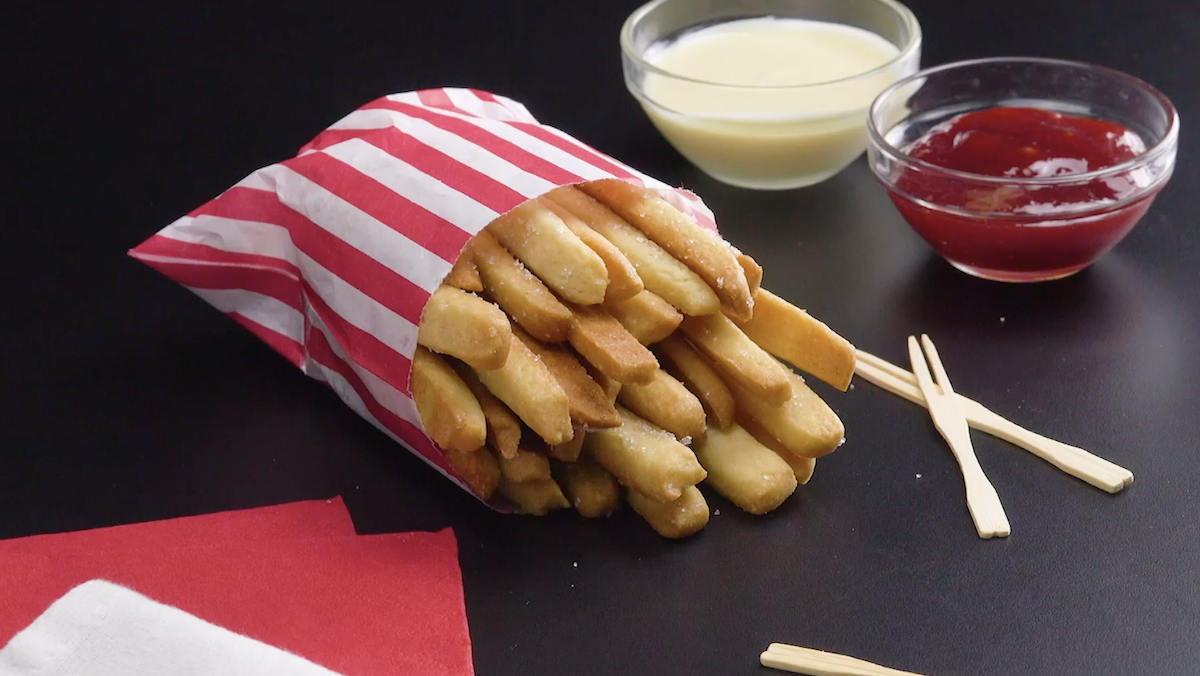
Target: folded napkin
[(101, 629), (361, 605)]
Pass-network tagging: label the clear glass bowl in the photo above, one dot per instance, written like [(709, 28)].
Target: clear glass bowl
[(1061, 227), (768, 138)]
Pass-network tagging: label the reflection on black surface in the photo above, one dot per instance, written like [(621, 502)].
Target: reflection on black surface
[(1120, 309)]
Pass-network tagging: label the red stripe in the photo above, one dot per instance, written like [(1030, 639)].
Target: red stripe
[(502, 148), (438, 98), (363, 348), (463, 178), (486, 96), (268, 282), (284, 345), (321, 352), (359, 270), (159, 245), (418, 224), (577, 150)]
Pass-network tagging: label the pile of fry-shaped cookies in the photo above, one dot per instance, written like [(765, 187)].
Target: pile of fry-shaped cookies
[(639, 357)]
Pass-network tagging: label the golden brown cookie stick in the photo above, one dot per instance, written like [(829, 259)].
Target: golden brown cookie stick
[(701, 250), (465, 326), (590, 488), (679, 518), (645, 457), (601, 340), (737, 357), (540, 240), (449, 412), (794, 336), (659, 270), (647, 316), (623, 280), (519, 292)]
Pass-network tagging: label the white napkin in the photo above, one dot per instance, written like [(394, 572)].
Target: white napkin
[(101, 629)]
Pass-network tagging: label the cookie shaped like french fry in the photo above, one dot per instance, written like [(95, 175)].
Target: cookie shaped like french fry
[(737, 357), (451, 414), (804, 424), (645, 457), (665, 402), (569, 451), (589, 405), (794, 336), (464, 275), (478, 470), (526, 465), (539, 239), (532, 393), (610, 386), (600, 339), (519, 292), (680, 359), (646, 316), (679, 518), (745, 472), (660, 272), (465, 326), (534, 497), (754, 274), (802, 467), (623, 280), (701, 250), (503, 427), (592, 490)]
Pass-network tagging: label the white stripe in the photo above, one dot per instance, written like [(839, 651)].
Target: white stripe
[(361, 230), (234, 236), (536, 146), (648, 181), (414, 185), (270, 312), (351, 304), (387, 396), (360, 310), (455, 146), (502, 128), (470, 102)]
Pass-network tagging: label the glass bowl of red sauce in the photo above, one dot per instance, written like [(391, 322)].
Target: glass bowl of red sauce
[(1022, 169)]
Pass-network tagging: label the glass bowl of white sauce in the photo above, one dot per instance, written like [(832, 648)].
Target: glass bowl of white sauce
[(767, 94)]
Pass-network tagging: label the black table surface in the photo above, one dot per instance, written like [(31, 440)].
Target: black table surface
[(126, 398)]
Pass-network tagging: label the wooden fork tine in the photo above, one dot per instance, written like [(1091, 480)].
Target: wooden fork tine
[(939, 372), (919, 366)]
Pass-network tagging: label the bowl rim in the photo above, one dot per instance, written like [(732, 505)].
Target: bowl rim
[(877, 139), (902, 12)]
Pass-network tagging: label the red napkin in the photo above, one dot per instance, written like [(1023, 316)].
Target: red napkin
[(367, 605)]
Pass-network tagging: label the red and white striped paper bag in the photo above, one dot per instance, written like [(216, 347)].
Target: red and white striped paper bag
[(330, 257)]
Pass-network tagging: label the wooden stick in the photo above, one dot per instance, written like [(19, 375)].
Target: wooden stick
[(982, 500), (1075, 461), (820, 663)]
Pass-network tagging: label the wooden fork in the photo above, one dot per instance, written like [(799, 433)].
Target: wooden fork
[(982, 501)]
